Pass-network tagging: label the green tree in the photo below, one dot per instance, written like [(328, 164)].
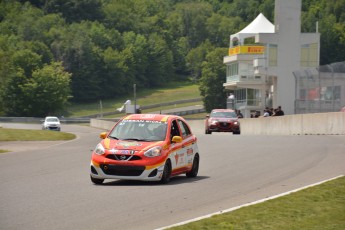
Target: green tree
[(26, 60), (189, 21), (219, 28), (28, 22), (103, 37), (121, 16), (267, 8), (75, 48), (332, 47), (151, 15), (135, 52), (7, 48), (75, 10), (115, 76), (330, 16), (212, 79), (180, 50), (160, 58), (246, 10), (196, 57), (45, 93), (12, 93)]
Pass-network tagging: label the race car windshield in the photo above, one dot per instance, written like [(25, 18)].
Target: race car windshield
[(224, 114), (52, 120), (140, 130)]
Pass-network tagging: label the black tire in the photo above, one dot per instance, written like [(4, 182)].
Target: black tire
[(166, 173), (96, 181), (195, 167), (237, 132), (207, 131)]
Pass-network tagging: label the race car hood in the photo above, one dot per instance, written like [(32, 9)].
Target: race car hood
[(129, 144)]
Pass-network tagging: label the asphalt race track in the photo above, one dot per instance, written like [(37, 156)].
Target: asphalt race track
[(49, 187)]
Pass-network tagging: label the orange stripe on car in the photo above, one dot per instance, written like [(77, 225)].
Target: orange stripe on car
[(106, 143), (164, 119), (150, 146), (184, 166), (156, 165), (95, 164), (128, 117), (153, 166)]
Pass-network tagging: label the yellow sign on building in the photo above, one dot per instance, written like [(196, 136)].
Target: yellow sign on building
[(246, 50)]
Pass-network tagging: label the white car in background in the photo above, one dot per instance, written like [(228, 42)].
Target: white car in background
[(51, 123)]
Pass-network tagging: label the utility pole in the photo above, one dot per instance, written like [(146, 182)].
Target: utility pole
[(101, 108), (135, 98)]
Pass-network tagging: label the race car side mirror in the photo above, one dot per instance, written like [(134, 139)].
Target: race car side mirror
[(103, 135), (176, 139)]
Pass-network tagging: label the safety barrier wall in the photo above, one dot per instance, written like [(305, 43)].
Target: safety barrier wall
[(105, 124), (300, 124)]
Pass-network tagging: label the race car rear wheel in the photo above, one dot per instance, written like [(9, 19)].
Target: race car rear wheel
[(166, 172), (96, 181), (207, 131), (237, 132), (195, 167)]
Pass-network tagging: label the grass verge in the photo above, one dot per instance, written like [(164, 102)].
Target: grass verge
[(163, 109), (33, 135), (319, 207), (174, 92)]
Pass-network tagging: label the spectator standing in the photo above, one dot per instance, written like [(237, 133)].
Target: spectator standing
[(239, 114), (269, 111), (279, 112)]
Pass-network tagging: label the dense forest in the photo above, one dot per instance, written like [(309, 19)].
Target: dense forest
[(53, 52)]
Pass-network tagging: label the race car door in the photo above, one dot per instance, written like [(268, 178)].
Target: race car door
[(188, 144), (179, 152)]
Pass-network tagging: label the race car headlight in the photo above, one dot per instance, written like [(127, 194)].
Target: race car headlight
[(154, 152), (214, 122), (99, 150), (236, 123)]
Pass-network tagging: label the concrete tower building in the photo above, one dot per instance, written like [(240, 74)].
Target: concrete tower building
[(263, 56)]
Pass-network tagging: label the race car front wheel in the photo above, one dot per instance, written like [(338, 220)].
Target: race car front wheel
[(166, 172), (96, 181)]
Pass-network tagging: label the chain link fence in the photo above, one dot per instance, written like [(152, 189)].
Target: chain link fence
[(321, 89)]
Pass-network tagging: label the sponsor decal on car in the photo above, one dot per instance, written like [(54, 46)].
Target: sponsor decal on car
[(190, 151), (123, 152), (127, 144), (179, 158)]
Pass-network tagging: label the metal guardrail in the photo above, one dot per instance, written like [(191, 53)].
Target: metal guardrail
[(39, 120), (320, 90), (187, 112), (145, 107), (86, 119)]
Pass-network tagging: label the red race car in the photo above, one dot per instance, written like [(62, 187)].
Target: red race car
[(222, 120), (149, 147)]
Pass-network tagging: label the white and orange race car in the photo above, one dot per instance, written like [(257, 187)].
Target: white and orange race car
[(148, 147)]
